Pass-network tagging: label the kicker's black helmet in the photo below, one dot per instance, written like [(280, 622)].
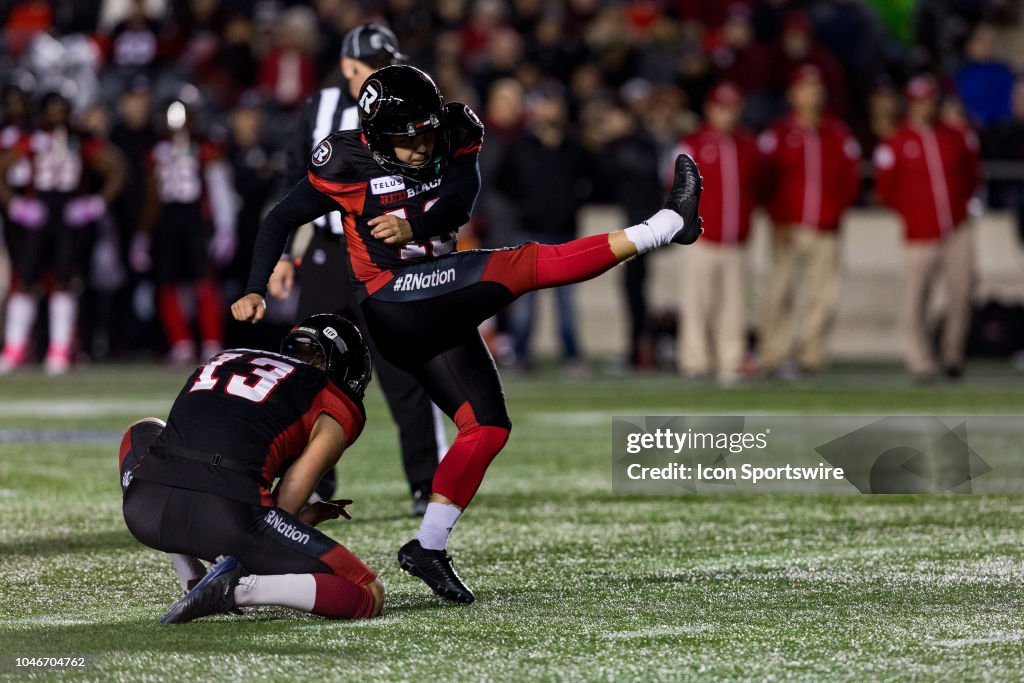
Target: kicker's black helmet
[(338, 341), (402, 100)]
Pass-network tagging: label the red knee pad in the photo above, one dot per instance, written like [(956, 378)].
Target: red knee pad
[(343, 562), (339, 598), (126, 446), (462, 470), (515, 269)]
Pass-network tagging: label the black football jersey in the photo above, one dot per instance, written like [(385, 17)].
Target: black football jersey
[(342, 167), (56, 159), (255, 408)]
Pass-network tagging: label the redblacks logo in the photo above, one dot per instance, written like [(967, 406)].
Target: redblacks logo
[(369, 100)]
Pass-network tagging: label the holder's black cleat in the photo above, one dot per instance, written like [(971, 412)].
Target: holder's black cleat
[(215, 594)]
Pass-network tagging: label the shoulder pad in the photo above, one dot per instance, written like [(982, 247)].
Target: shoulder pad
[(461, 117), (465, 128), (332, 157)]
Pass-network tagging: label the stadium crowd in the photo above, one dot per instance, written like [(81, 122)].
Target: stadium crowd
[(149, 113)]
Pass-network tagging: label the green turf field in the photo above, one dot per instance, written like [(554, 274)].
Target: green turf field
[(572, 582)]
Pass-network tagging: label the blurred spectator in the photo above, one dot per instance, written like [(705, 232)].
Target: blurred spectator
[(502, 60), (629, 164), (287, 72), (495, 217), (555, 51), (927, 174), (811, 179), (54, 218), (503, 121), (134, 135), (187, 174), (25, 21), (255, 176), (984, 83), (884, 111), (194, 40), (713, 290), (547, 175), (735, 53), (485, 19), (134, 43), (15, 122), (1005, 142), (797, 47), (736, 57)]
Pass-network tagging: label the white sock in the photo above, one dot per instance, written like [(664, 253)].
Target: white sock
[(437, 525), (656, 231), (21, 312), (63, 311), (297, 591), (187, 568)]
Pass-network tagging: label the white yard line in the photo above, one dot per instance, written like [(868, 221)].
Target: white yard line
[(1012, 636), (96, 407), (654, 632)]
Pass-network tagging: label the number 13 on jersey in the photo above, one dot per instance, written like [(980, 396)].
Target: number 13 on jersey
[(256, 386)]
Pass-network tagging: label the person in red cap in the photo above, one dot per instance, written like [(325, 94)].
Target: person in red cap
[(927, 173), (714, 273), (811, 179)]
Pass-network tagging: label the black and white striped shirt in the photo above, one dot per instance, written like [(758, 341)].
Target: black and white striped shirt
[(329, 110)]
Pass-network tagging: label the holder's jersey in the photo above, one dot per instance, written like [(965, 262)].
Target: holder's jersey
[(256, 409), (342, 167)]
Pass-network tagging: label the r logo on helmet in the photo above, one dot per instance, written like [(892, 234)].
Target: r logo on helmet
[(330, 333), (370, 98), (322, 153)]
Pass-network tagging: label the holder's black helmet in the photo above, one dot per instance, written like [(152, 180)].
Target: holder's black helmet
[(336, 339), (404, 101)]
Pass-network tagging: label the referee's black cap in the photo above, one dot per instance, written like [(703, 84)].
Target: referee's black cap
[(374, 44)]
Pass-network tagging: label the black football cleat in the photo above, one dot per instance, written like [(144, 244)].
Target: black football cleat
[(434, 568), (214, 594), (684, 199)]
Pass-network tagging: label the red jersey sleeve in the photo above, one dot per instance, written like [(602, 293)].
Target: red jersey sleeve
[(350, 196), (332, 402)]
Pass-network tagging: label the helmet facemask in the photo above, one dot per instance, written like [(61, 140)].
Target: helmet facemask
[(403, 102), (382, 147)]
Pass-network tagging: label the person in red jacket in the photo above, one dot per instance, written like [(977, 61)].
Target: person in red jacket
[(927, 173), (714, 272), (811, 179)]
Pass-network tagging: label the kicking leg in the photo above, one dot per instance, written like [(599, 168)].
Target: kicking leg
[(535, 266)]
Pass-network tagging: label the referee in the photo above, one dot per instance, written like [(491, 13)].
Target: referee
[(324, 269)]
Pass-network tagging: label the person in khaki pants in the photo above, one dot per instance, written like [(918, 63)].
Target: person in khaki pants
[(927, 173), (810, 168), (714, 279)]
